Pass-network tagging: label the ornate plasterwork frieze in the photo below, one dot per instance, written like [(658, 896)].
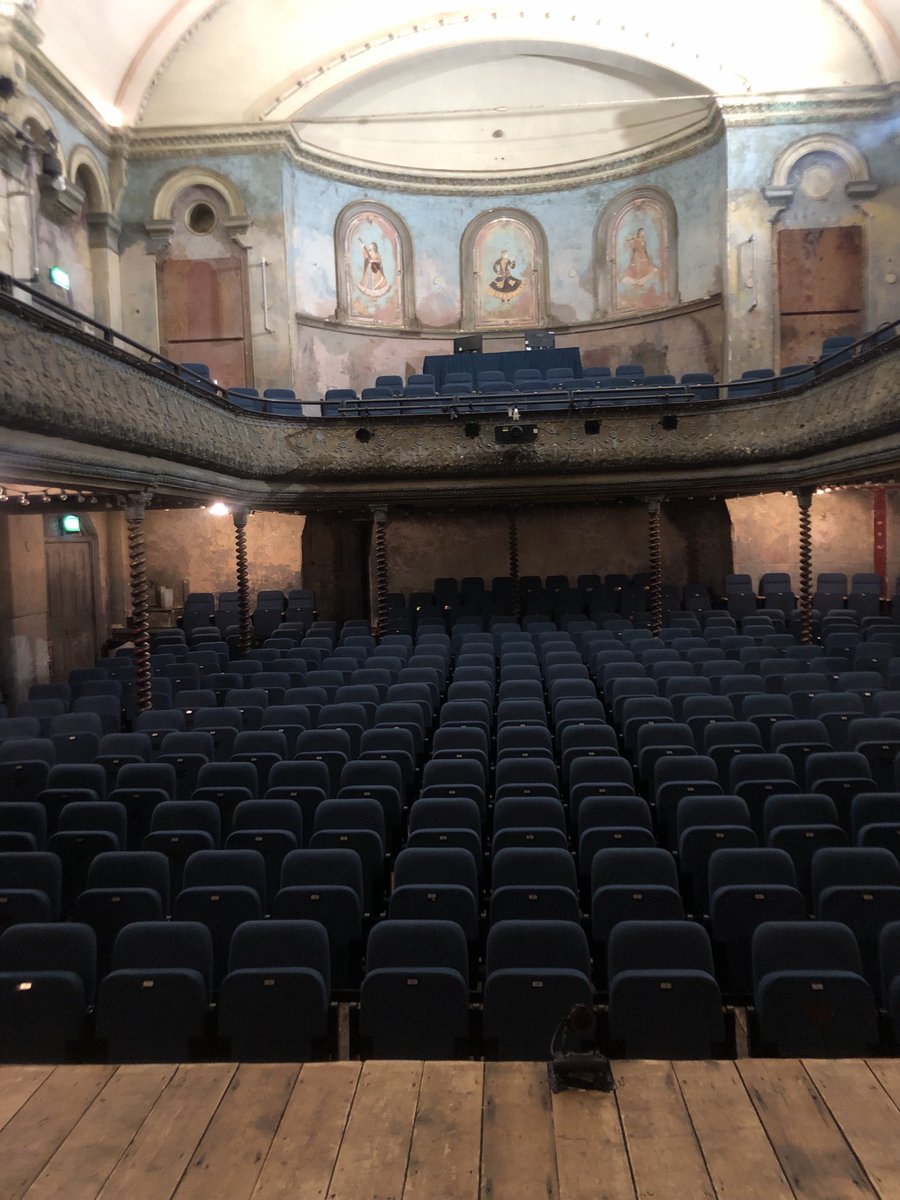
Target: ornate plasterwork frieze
[(65, 388), (820, 106), (283, 138)]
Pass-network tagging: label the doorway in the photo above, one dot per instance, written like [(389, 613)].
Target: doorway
[(72, 594), (820, 288)]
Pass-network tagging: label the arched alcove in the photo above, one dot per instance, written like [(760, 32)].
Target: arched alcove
[(636, 253), (503, 257), (374, 267)]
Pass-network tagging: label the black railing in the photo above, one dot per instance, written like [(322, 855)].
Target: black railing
[(573, 396)]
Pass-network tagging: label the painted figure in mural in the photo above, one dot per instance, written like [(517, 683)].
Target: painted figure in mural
[(641, 270), (504, 282), (373, 281)]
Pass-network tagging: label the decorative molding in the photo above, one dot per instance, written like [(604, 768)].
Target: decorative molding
[(160, 232), (104, 231), (781, 191), (200, 176), (69, 400), (84, 157), (825, 105), (60, 200)]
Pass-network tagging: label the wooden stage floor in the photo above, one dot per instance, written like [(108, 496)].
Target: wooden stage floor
[(754, 1129)]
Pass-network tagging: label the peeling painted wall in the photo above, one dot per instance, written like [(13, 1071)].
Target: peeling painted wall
[(767, 534), (190, 551)]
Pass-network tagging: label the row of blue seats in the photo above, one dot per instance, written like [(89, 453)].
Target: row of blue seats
[(415, 392), (274, 1000)]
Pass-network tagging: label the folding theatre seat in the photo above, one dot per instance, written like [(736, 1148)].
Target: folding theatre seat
[(451, 821), (746, 888), (30, 887), (122, 887), (358, 824), (23, 825), (414, 997), (705, 824), (221, 889), (327, 886), (86, 829), (631, 884), (535, 972), (153, 1004), (810, 996), (664, 1001), (75, 736), (178, 828), (47, 979), (874, 820), (273, 1003), (534, 884), (860, 887), (273, 827), (801, 824), (608, 822)]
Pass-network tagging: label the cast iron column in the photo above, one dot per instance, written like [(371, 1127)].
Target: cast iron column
[(245, 626), (656, 611), (140, 613), (804, 501)]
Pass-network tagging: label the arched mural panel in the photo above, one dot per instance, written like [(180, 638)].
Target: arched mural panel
[(373, 266), (636, 263), (639, 246), (505, 274)]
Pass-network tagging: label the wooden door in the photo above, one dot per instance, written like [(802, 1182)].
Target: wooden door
[(203, 305), (71, 605), (820, 288)]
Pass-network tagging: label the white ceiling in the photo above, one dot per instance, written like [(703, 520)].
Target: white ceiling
[(405, 85)]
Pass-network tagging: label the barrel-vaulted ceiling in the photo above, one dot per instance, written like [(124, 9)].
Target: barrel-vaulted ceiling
[(404, 83)]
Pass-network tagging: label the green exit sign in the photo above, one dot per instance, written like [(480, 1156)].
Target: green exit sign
[(60, 278)]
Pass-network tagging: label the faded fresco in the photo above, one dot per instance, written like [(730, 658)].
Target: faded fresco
[(639, 256), (505, 275), (373, 263)]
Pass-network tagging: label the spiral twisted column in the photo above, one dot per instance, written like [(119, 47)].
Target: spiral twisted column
[(804, 502), (654, 507), (245, 627), (140, 609), (381, 570), (511, 517)]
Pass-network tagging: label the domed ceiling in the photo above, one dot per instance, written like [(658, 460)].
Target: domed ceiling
[(403, 87)]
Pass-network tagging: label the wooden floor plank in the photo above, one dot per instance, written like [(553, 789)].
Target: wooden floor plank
[(302, 1157), (813, 1153), (82, 1164), (518, 1148), (734, 1145), (228, 1160), (868, 1118), (19, 1084), (372, 1161), (663, 1148), (887, 1072), (31, 1138), (445, 1155), (591, 1158), (153, 1164)]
